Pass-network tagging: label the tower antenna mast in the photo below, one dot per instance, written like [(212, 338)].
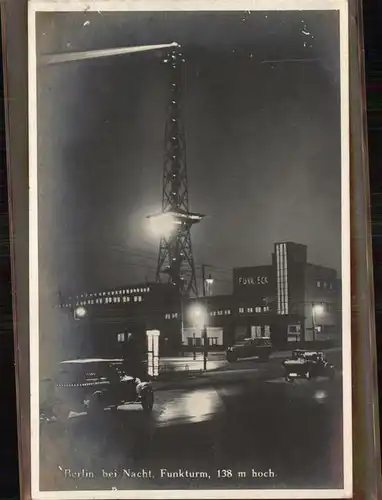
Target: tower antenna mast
[(175, 258)]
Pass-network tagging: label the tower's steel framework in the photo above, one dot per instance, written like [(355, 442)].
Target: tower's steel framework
[(175, 259)]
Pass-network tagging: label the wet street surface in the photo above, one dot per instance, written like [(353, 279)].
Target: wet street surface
[(245, 427)]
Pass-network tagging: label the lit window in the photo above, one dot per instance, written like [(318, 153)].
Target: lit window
[(121, 337), (241, 310), (318, 284), (127, 299), (258, 309), (330, 286), (148, 289), (250, 309), (267, 330)]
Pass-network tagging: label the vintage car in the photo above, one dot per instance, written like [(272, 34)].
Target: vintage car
[(260, 347), (91, 386), (307, 365)]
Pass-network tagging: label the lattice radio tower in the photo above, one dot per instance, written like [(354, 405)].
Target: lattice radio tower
[(175, 259)]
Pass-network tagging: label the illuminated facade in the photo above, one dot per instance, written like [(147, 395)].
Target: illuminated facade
[(289, 300)]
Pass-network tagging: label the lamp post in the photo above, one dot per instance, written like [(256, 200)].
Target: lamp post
[(205, 347), (207, 282)]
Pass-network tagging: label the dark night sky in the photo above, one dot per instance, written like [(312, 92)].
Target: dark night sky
[(263, 141)]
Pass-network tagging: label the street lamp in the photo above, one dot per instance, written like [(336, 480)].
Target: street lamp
[(199, 316), (316, 309), (79, 313), (207, 282)]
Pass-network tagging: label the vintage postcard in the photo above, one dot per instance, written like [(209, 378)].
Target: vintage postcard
[(189, 249)]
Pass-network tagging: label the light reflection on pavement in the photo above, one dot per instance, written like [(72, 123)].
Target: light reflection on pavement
[(191, 407)]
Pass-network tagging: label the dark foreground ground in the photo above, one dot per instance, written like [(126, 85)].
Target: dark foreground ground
[(245, 422)]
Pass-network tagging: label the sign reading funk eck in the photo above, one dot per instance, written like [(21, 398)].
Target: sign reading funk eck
[(252, 280)]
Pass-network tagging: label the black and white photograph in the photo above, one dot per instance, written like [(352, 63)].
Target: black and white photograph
[(189, 249)]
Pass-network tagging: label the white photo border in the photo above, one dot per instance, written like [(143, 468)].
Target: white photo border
[(190, 5)]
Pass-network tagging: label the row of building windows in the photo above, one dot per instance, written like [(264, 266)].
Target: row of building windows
[(107, 300), (221, 312), (257, 331), (225, 312), (251, 310), (324, 284), (114, 293)]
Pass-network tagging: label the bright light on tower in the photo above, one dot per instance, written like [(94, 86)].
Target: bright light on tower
[(163, 225)]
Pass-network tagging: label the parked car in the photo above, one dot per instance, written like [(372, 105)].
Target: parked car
[(251, 347), (307, 365), (91, 386)]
